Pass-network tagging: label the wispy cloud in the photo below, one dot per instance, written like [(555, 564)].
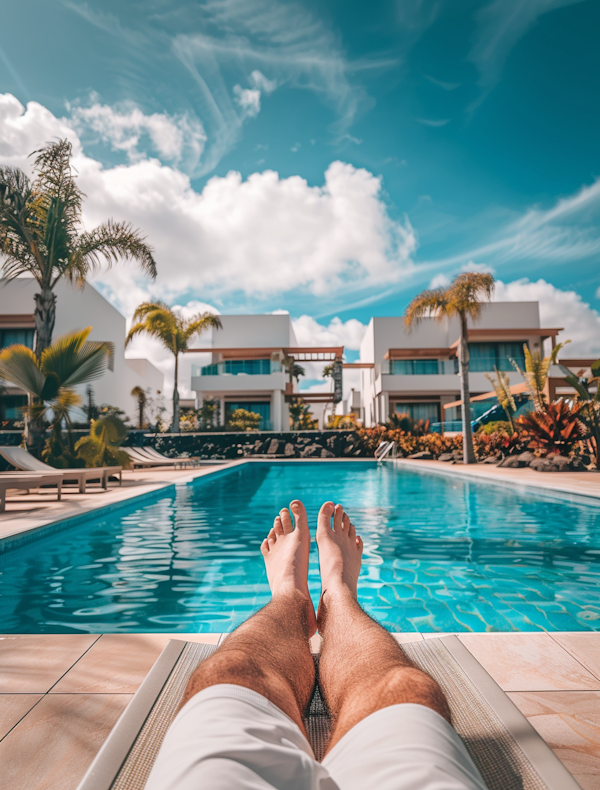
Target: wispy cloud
[(432, 122), (501, 24), (447, 86)]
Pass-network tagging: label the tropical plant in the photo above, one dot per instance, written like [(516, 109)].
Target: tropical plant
[(536, 372), (90, 409), (293, 368), (556, 429), (40, 233), (69, 361), (501, 385), (342, 422), (158, 320), (590, 404), (57, 452), (141, 397), (208, 410), (301, 416), (463, 299), (243, 420), (495, 426), (102, 446), (404, 422)]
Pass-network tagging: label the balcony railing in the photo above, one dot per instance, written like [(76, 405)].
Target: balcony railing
[(487, 364), (238, 367)]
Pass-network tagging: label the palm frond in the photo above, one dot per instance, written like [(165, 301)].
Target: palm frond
[(19, 365), (199, 324), (428, 303), (73, 359), (145, 308), (111, 241), (468, 292)]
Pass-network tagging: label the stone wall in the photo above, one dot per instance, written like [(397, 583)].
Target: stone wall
[(264, 444)]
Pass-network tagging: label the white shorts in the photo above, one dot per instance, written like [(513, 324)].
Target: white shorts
[(228, 737)]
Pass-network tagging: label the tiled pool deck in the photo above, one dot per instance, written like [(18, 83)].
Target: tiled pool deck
[(60, 695)]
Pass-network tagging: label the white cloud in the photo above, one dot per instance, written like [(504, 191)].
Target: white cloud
[(310, 332), (258, 236), (177, 139), (440, 280), (558, 308), (248, 99), (261, 83), (472, 266)]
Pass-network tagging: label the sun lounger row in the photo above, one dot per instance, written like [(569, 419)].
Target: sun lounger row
[(22, 460), (24, 481)]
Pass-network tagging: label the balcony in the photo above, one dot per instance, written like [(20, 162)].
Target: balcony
[(238, 367)]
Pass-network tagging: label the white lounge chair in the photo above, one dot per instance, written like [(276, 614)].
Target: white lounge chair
[(154, 455), (25, 481), (23, 460)]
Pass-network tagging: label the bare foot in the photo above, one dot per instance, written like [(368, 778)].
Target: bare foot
[(285, 551), (340, 550)]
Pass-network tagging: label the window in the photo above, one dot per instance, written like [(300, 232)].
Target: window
[(251, 367), (11, 337), (415, 367), (233, 367), (11, 406), (419, 411), (262, 408), (484, 357)]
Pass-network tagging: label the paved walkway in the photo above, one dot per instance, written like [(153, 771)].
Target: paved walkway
[(60, 695)]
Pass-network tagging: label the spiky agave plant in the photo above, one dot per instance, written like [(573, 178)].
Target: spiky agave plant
[(536, 372), (556, 429), (501, 385)]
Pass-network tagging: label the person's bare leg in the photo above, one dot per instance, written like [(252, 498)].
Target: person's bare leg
[(362, 668), (270, 652)]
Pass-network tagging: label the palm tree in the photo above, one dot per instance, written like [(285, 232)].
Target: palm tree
[(69, 361), (463, 298), (142, 398), (40, 233), (174, 332)]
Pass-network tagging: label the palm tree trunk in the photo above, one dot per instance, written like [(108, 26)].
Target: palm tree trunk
[(175, 424), (45, 317), (468, 451)]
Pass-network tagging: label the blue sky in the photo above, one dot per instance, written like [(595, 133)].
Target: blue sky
[(467, 133)]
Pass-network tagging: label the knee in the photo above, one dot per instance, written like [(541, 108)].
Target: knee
[(412, 685)]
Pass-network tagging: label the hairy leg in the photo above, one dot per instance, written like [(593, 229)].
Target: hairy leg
[(270, 652), (362, 667)]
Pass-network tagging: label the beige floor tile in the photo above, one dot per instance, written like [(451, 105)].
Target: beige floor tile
[(404, 638), (528, 662), (585, 647), (12, 709), (569, 722), (435, 634), (32, 663), (118, 663), (52, 747)]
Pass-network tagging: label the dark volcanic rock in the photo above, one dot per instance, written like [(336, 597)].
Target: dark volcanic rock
[(289, 450), (424, 455), (552, 463), (446, 457), (512, 462)]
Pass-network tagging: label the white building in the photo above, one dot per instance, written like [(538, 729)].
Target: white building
[(416, 372), (247, 370), (76, 309)]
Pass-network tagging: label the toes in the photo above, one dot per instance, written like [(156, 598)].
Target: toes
[(325, 514), (351, 530), (359, 543), (286, 521), (300, 518), (272, 537), (346, 523), (264, 547), (278, 526), (338, 517)]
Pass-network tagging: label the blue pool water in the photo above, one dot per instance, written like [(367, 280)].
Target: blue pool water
[(441, 554)]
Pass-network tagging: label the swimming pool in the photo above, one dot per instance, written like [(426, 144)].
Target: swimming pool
[(441, 554)]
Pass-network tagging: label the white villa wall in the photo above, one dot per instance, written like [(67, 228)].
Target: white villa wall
[(77, 309), (385, 333)]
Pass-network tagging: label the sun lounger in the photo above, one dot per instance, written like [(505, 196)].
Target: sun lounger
[(505, 747), (25, 462), (25, 481), (140, 458), (152, 453)]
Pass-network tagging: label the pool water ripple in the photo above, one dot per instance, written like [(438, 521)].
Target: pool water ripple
[(441, 554)]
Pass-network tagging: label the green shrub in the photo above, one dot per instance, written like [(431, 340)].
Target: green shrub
[(243, 420)]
